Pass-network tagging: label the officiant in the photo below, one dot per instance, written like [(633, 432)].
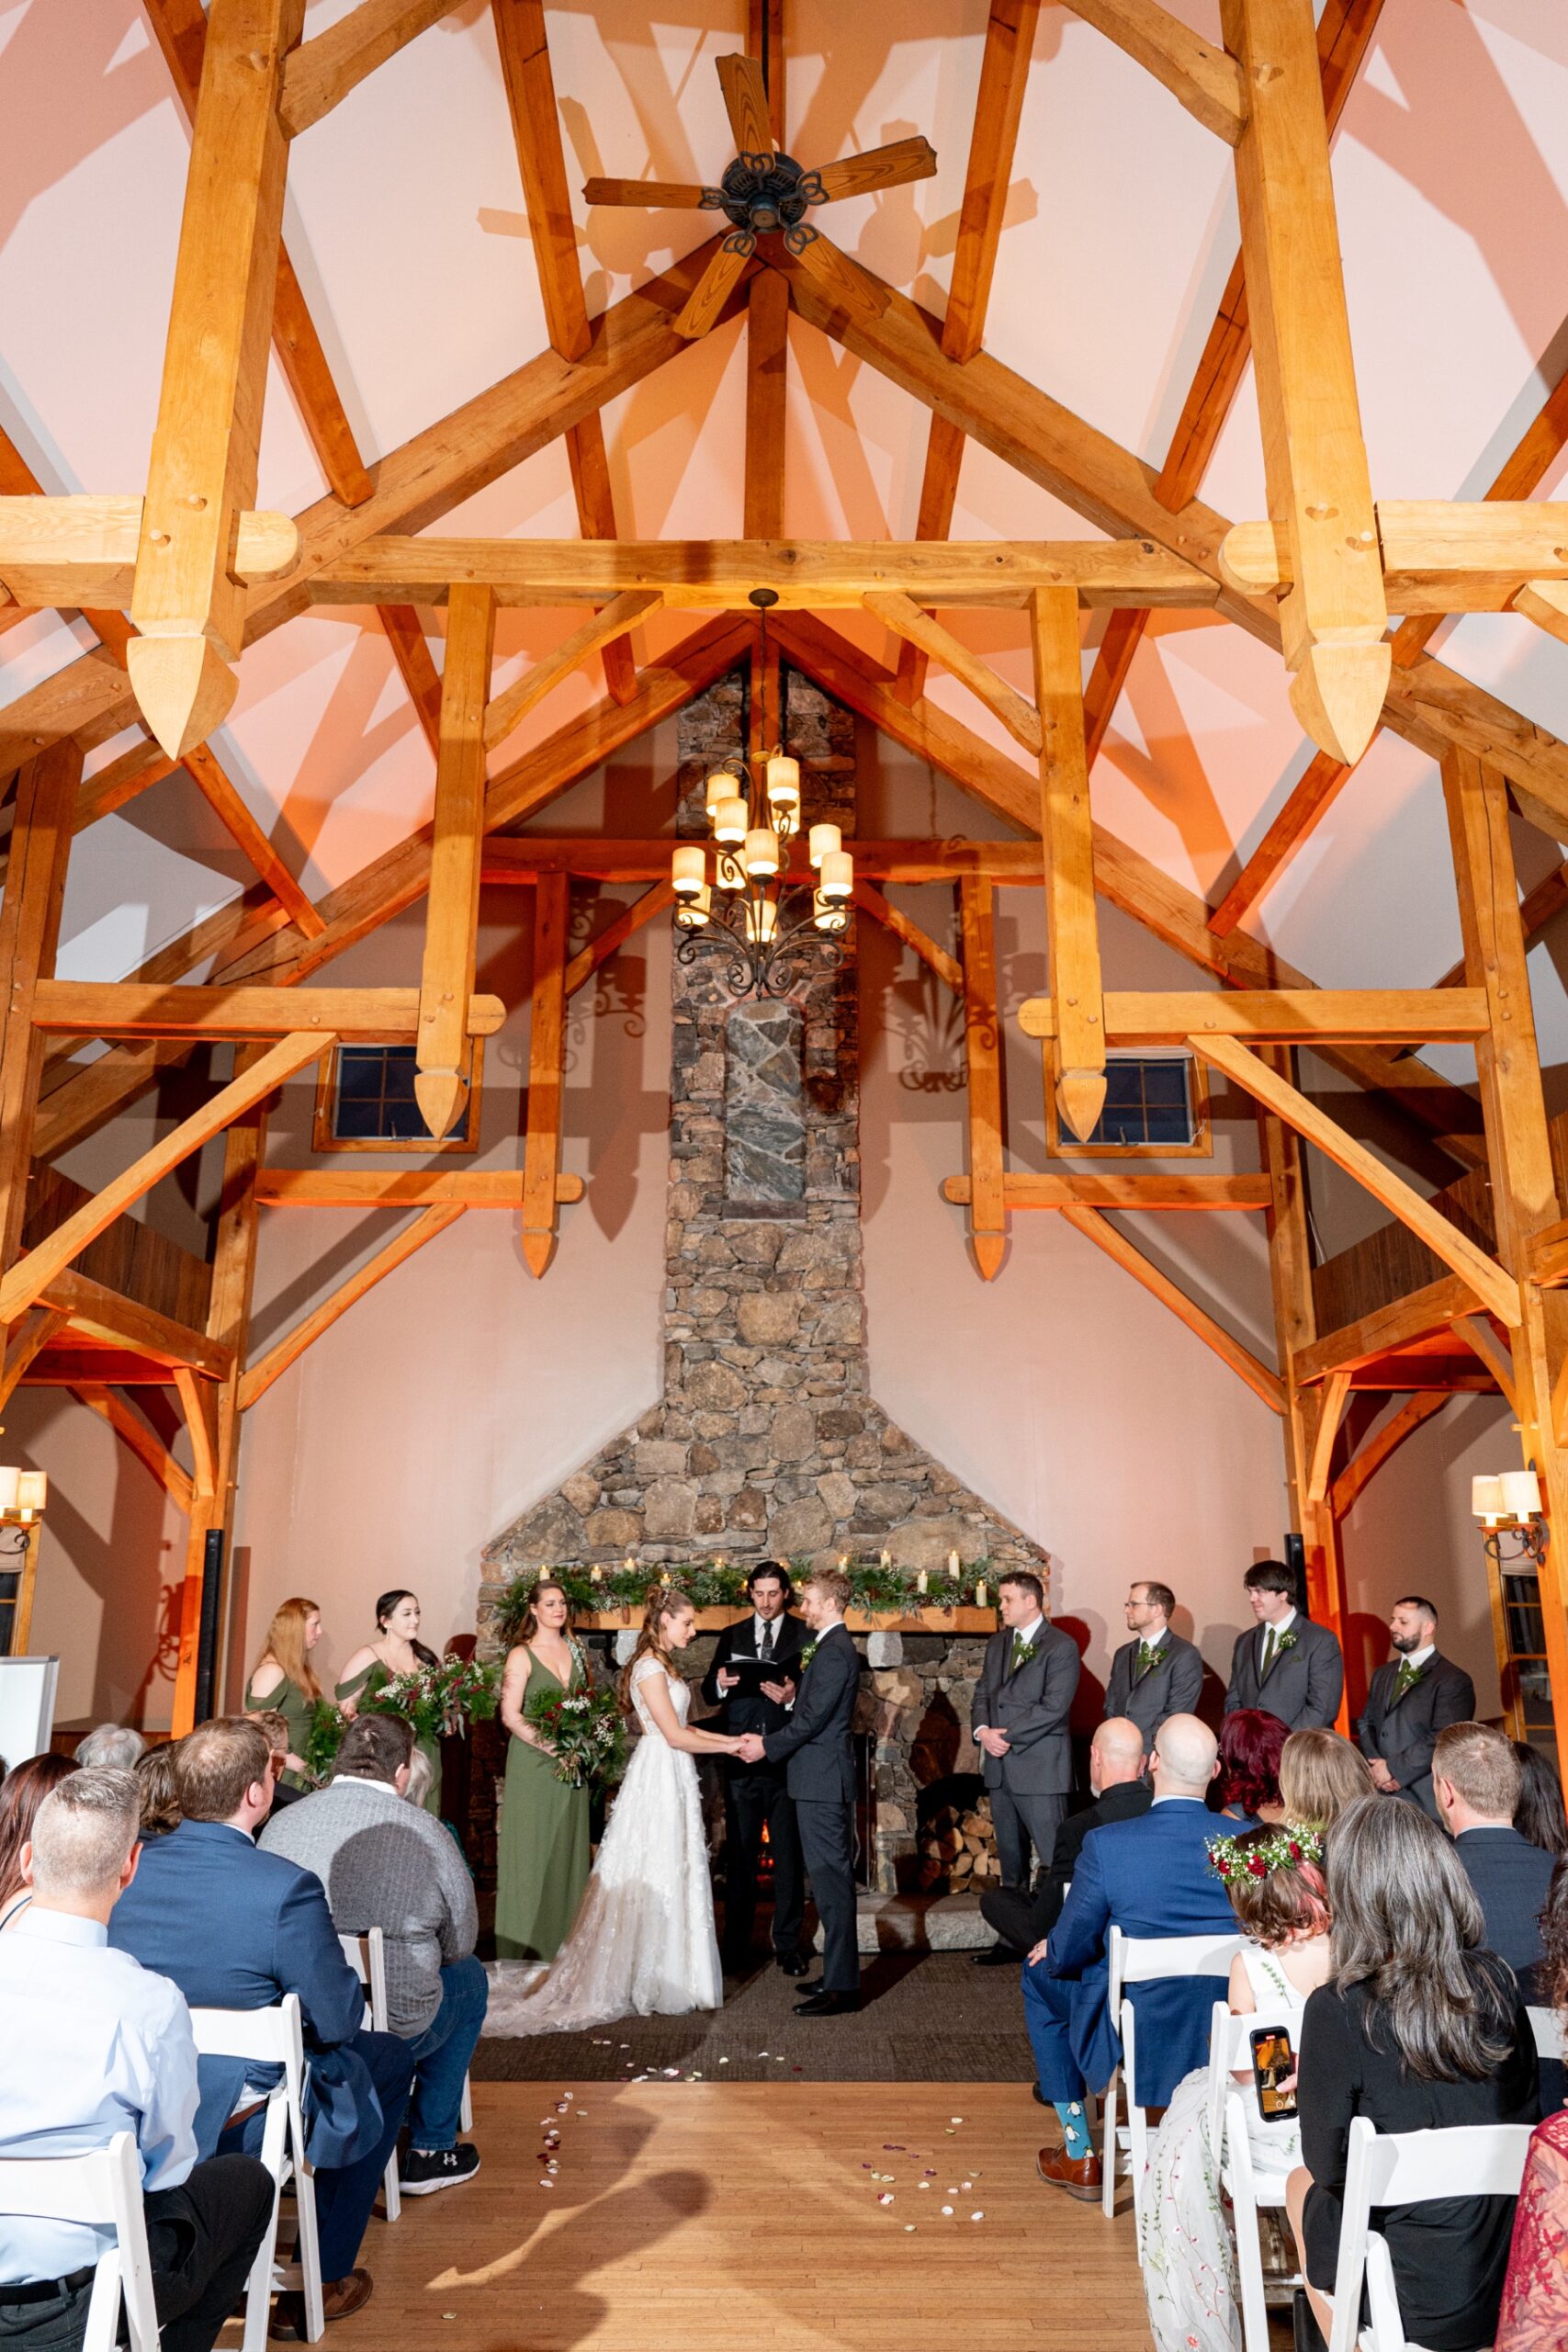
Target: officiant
[(752, 1682)]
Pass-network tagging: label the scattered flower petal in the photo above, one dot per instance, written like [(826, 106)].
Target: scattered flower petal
[(977, 2217), (885, 2197), (947, 2208)]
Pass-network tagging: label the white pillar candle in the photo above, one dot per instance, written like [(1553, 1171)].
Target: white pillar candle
[(837, 874), (762, 851), (979, 1596), (823, 840), (922, 1582), (730, 819), (10, 1484), (953, 1566), (687, 869), (32, 1490)]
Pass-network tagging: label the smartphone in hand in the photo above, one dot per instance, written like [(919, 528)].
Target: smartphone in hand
[(1274, 2064)]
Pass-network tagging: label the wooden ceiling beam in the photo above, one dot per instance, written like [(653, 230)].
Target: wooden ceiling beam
[(442, 1054), (870, 901), (1282, 1016), (106, 1317), (375, 1187), (130, 1009), (448, 462), (180, 28), (998, 105), (1439, 555), (767, 316), (137, 1433), (546, 1076), (260, 1376), (1197, 73), (207, 772), (1075, 1066), (1094, 1226), (320, 73), (615, 936), (410, 650), (81, 550), (1133, 1194), (907, 622), (983, 1077), (509, 708), (1364, 1466)]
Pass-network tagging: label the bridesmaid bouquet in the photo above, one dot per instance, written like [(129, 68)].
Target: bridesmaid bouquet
[(585, 1731), (439, 1699)]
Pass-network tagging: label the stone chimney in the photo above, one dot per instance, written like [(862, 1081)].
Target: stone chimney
[(767, 1442)]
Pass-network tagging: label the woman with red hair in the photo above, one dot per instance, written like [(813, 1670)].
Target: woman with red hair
[(22, 1792), (1247, 1782)]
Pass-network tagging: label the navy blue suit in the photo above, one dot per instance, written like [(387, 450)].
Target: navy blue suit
[(237, 1929), (1512, 1879), (1149, 1877)]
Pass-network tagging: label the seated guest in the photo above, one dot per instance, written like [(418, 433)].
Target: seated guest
[(1321, 1776), (274, 1723), (385, 1865), (1411, 1698), (1157, 1673), (95, 2045), (1274, 1880), (1286, 1664), (1534, 2317), (158, 1789), (1476, 1777), (1539, 1816), (22, 1792), (1420, 2030), (1247, 1784), (237, 1930), (1148, 1877), (1121, 1793), (113, 1747)]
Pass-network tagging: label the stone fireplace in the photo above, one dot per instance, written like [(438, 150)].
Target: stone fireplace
[(767, 1442)]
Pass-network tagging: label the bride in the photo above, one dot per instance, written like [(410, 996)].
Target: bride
[(643, 1942)]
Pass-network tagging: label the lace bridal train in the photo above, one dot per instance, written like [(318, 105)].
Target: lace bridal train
[(643, 1943)]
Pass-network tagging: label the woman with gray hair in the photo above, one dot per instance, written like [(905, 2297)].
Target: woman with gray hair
[(111, 1747), (1418, 2029)]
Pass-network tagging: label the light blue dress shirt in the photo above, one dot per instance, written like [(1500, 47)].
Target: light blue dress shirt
[(94, 2045)]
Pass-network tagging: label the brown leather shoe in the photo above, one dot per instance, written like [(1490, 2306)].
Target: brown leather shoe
[(1079, 2177), (341, 2298)]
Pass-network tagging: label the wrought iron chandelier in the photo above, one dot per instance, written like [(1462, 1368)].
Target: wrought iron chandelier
[(770, 933)]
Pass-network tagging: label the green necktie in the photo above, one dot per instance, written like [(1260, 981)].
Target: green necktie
[(1019, 1646), (1269, 1644), (1407, 1675), (1147, 1657)]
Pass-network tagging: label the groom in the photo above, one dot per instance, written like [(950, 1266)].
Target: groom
[(815, 1744)]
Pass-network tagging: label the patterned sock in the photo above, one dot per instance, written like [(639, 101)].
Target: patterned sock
[(1074, 2131)]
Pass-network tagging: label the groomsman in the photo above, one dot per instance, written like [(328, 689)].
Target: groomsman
[(755, 1796), (1412, 1699), (1156, 1674), (1020, 1720), (1287, 1665)]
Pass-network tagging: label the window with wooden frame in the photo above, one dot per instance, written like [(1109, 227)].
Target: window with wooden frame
[(1156, 1106), (365, 1102)]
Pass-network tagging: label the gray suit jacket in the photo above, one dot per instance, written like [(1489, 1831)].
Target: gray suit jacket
[(1032, 1707), (1169, 1687), (1405, 1733), (1304, 1684), (386, 1863), (814, 1746)]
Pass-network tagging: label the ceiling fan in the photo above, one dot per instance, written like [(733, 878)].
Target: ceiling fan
[(766, 192)]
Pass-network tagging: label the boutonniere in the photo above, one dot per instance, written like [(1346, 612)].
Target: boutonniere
[(807, 1655), (1285, 1641), (1022, 1653)]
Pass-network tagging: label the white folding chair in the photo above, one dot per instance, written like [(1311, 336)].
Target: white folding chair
[(274, 2037), (1249, 2196), (1407, 2168), (104, 2190), (1551, 2039), (1138, 1960), (367, 1955)]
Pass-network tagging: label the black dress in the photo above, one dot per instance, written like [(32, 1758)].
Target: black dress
[(1448, 2258)]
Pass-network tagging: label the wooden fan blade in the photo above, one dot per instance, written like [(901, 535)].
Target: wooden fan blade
[(839, 277), (906, 159), (746, 103), (713, 289), (662, 195)]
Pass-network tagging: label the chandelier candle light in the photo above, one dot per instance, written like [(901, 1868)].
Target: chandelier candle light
[(770, 931)]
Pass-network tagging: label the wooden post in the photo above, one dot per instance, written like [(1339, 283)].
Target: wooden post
[(546, 1039), (1524, 1195), (982, 1043), (228, 1321), (1066, 832), (452, 914), (26, 1586), (186, 603), (1335, 615), (29, 933)]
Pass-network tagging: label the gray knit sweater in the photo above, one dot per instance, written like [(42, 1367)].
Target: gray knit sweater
[(387, 1864)]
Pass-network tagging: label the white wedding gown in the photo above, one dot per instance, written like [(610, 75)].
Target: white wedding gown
[(643, 1943)]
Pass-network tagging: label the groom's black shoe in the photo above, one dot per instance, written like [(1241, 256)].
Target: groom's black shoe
[(997, 1955), (794, 1963), (830, 2005)]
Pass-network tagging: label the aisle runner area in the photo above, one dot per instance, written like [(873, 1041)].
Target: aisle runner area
[(926, 2021), (729, 2216)]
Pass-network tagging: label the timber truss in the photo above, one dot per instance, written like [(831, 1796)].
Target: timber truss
[(179, 579)]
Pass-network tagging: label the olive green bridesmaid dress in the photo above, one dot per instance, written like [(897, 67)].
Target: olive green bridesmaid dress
[(298, 1711), (544, 1844)]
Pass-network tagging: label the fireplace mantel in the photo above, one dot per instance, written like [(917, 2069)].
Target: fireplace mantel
[(968, 1619)]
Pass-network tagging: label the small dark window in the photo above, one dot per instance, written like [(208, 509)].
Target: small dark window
[(366, 1100), (1152, 1103)]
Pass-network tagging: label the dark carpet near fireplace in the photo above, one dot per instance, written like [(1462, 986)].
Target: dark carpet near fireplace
[(929, 2018)]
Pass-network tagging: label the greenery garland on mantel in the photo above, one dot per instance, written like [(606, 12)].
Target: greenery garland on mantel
[(875, 1586)]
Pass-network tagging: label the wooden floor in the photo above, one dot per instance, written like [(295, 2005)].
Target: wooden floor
[(730, 2215)]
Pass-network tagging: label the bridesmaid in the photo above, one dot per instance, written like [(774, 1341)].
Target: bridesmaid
[(544, 1824), (282, 1678), (397, 1651)]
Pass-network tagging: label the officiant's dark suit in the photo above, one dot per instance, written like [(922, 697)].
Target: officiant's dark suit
[(1030, 1702), (756, 1796), (1402, 1730), (1171, 1686), (814, 1746), (1305, 1683)]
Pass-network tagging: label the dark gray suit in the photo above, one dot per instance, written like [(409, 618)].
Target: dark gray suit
[(1169, 1687), (1304, 1684), (1028, 1785), (1402, 1731), (815, 1746), (1512, 1879)]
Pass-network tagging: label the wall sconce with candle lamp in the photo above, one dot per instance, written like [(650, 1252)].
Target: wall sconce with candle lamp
[(24, 1494), (1510, 1505)]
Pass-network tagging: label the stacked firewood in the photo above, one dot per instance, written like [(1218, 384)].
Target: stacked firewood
[(958, 1849)]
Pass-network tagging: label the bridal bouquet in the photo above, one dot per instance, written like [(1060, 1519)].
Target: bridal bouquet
[(585, 1731)]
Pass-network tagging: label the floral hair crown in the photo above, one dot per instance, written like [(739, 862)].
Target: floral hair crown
[(1284, 1848)]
